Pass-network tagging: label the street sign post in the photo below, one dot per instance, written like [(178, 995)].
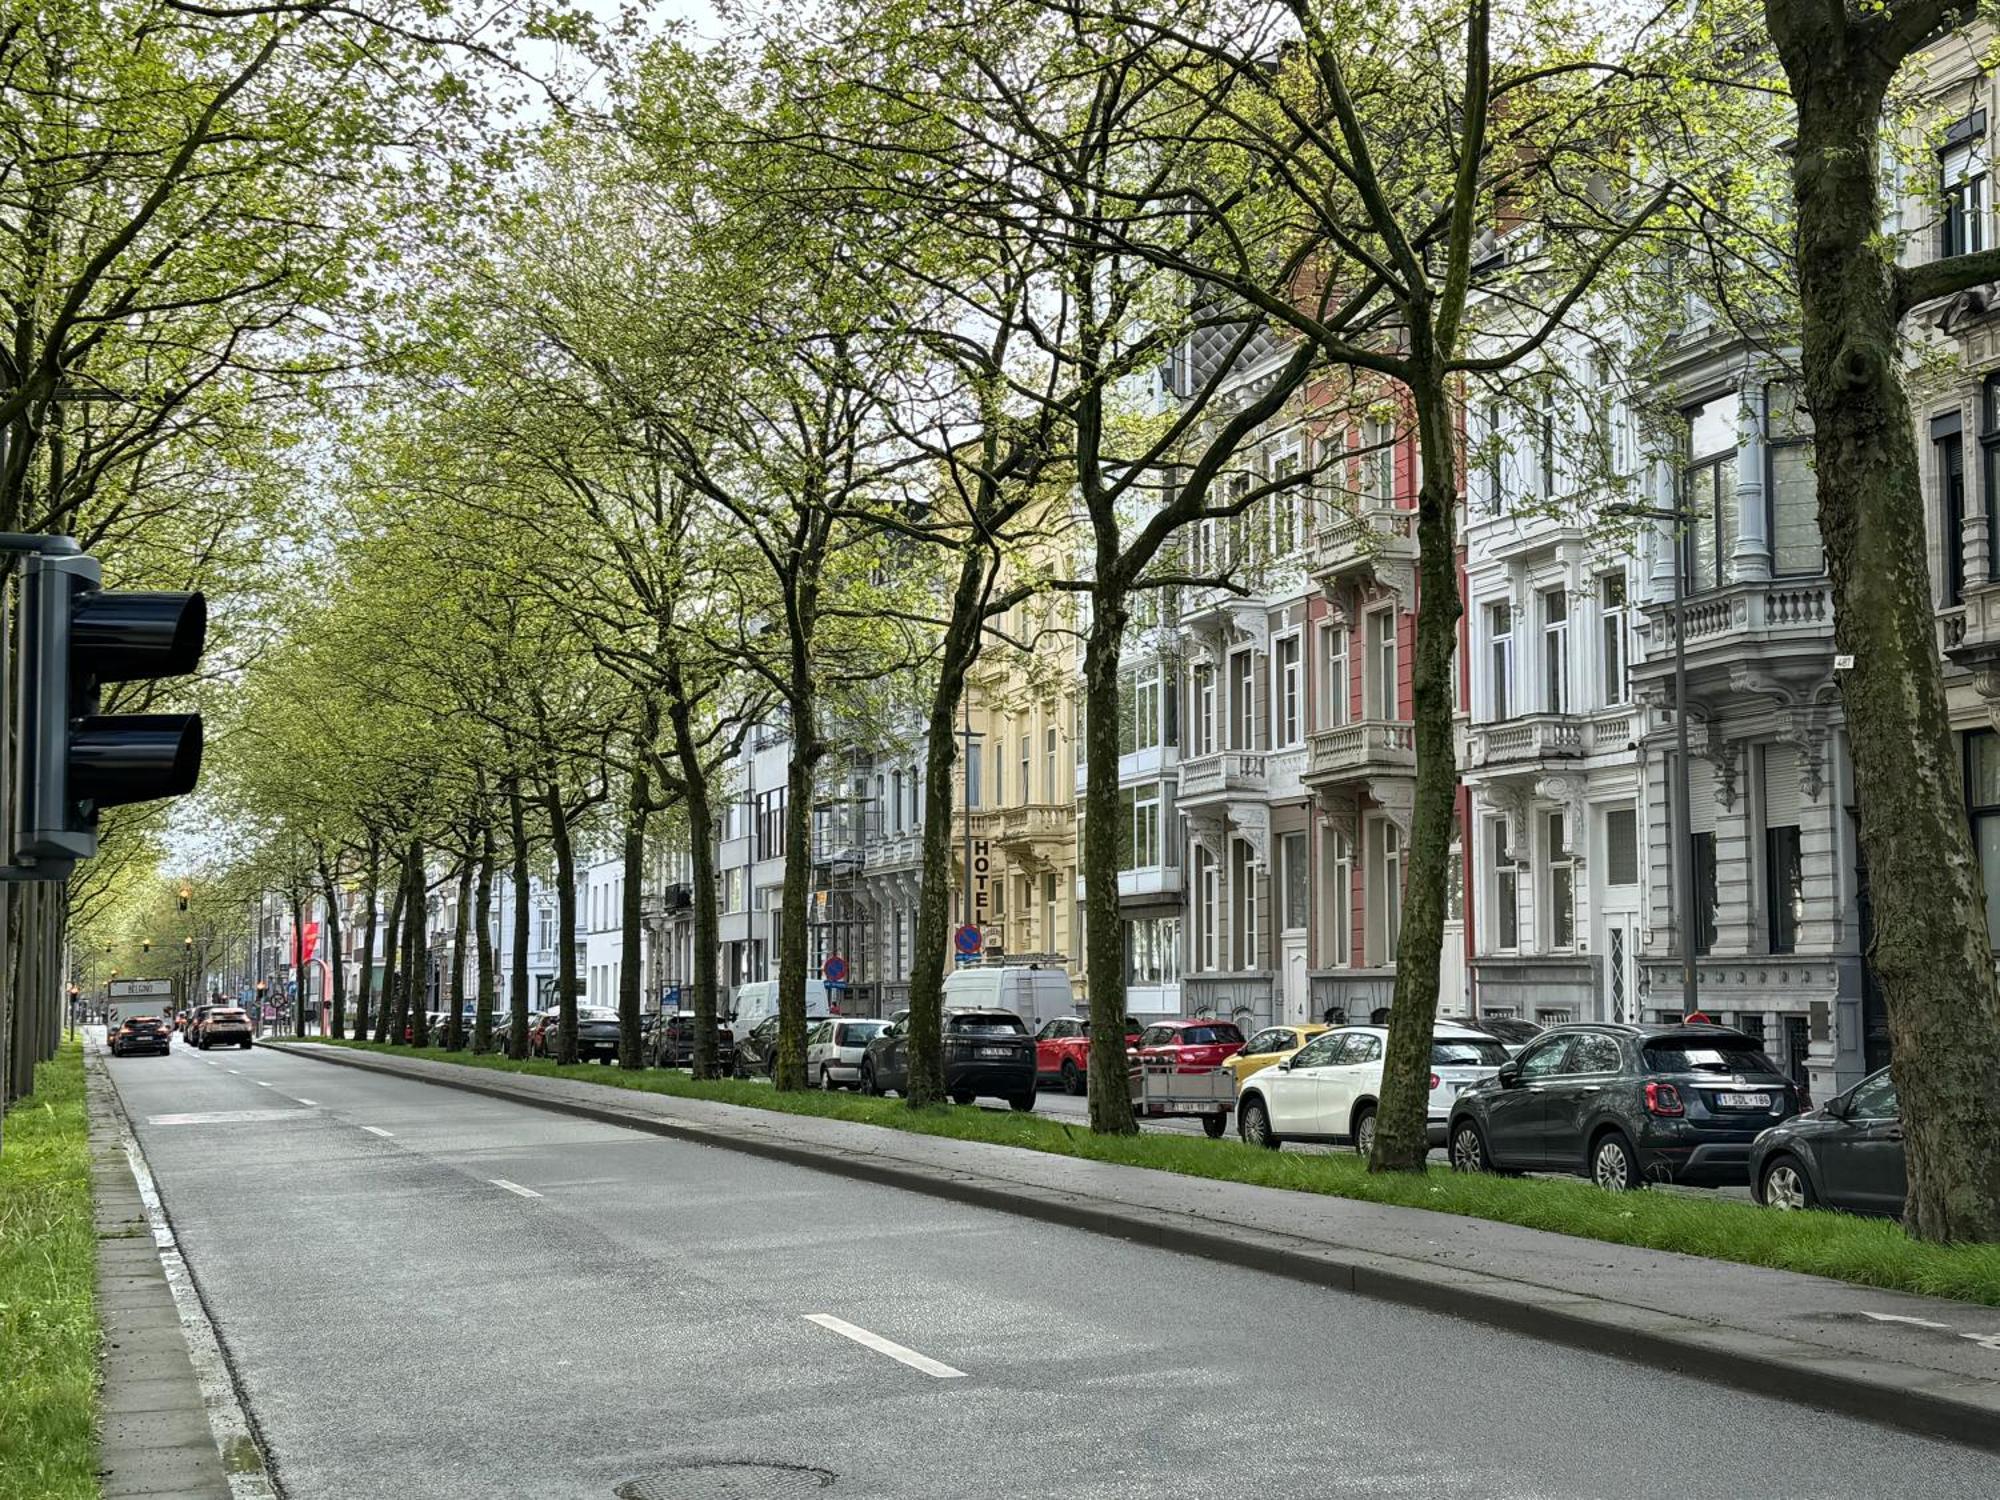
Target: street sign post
[(834, 970), (967, 941)]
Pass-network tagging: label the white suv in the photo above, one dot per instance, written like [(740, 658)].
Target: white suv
[(1326, 1091)]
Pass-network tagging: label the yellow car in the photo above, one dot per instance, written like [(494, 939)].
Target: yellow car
[(1271, 1045)]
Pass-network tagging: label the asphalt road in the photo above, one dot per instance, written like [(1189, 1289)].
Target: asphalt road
[(429, 1294)]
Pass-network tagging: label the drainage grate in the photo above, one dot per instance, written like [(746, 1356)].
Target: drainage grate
[(726, 1480)]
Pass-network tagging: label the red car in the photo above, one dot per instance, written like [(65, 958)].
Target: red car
[(1062, 1051), (1191, 1046)]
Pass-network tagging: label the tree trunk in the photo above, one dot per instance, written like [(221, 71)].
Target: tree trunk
[(387, 1023), (1931, 951), (373, 895), (454, 1024), (934, 889), (565, 922), (334, 967), (416, 951), (1104, 928), (297, 898), (517, 979), (632, 869), (694, 790), (790, 1072), (482, 1016), (1402, 1118)]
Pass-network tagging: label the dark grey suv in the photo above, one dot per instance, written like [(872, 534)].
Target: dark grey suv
[(1625, 1105)]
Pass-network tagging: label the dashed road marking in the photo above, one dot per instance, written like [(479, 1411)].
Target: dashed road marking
[(377, 1130), (513, 1187), (262, 1085), (935, 1368), (313, 1102)]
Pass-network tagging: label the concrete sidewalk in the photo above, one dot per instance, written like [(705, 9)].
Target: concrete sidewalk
[(1921, 1363)]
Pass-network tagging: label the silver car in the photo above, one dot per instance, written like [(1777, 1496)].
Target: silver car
[(834, 1048)]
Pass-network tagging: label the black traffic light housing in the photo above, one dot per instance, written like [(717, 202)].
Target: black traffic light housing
[(72, 761)]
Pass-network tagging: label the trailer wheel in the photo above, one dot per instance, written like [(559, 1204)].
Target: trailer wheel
[(1214, 1125)]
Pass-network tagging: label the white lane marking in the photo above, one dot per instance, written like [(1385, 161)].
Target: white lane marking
[(513, 1187), (313, 1102), (262, 1085), (881, 1345), (225, 1117), (237, 1071), (376, 1130), (1900, 1318)]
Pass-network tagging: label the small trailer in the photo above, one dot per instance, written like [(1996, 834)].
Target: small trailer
[(1160, 1090)]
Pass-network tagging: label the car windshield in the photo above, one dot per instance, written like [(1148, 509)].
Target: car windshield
[(989, 1023), (1467, 1052), (227, 1015), (1209, 1036), (597, 1013), (1682, 1055), (854, 1033)]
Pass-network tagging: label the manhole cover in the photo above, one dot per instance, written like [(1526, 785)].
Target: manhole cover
[(726, 1480)]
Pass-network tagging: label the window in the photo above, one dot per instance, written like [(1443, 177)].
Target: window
[(1989, 443), (1948, 449), (1381, 673), (972, 795), (1378, 463), (1286, 507), (1874, 1100), (1333, 676), (1491, 464), (1318, 1052), (1244, 952), (1141, 844), (1208, 907), (1298, 885), (1790, 491), (1388, 892), (1506, 889), (1204, 709), (1152, 953), (1242, 702), (896, 804), (1288, 726), (1562, 883), (1339, 856), (1140, 695), (1050, 885), (1362, 1047), (1611, 655), (1705, 895), (1049, 764), (1962, 181), (1709, 493), (1500, 646), (1027, 759), (1982, 795), (916, 796), (1593, 1053), (1621, 846), (1784, 887), (1544, 1059), (1545, 441), (1555, 651)]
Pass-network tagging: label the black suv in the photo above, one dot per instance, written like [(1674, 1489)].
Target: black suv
[(1625, 1105), (673, 1040), (985, 1052)]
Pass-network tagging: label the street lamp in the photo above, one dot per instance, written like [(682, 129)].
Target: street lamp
[(1683, 813)]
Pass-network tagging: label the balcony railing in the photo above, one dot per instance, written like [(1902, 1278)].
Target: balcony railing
[(1034, 822), (1358, 541), (1757, 610), (1527, 741), (1222, 773), (1370, 747)]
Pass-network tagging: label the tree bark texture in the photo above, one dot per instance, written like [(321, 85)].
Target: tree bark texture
[(632, 869), (373, 896), (517, 978), (386, 1024), (296, 899), (416, 953), (454, 1023), (1104, 927), (334, 966), (1931, 953), (707, 942), (482, 901), (565, 921), (790, 1072)]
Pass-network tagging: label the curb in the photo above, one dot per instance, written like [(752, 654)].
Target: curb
[(1932, 1403), (155, 1437)]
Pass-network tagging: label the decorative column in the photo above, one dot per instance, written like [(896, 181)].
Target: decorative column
[(1665, 541), (1750, 560)]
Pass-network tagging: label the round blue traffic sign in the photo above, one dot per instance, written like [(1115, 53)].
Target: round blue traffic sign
[(834, 970), (968, 941)]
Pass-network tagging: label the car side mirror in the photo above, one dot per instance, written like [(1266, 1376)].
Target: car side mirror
[(1836, 1107), (1510, 1075)]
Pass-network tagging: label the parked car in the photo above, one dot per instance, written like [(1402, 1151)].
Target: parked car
[(191, 1024), (596, 1033), (142, 1034), (441, 1020), (1062, 1051), (1271, 1045), (673, 1041), (1625, 1105), (542, 1033), (758, 1051), (1034, 993), (986, 1052), (224, 1026), (1847, 1154), (1328, 1090), (1191, 1046), (834, 1049), (1514, 1033)]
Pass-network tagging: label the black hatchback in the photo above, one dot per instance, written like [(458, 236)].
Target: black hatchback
[(1846, 1154), (1625, 1105)]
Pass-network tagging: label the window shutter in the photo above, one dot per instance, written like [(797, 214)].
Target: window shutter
[(1701, 795), (1781, 786)]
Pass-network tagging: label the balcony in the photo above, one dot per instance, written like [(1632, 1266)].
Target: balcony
[(1223, 776), (1969, 636), (1361, 751), (1746, 637), (893, 851), (1376, 541), (1534, 743)]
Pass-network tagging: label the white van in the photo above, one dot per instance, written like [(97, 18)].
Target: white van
[(1035, 994), (759, 999)]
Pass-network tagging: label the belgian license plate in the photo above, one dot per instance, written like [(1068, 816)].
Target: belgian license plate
[(1744, 1101), (996, 1052)]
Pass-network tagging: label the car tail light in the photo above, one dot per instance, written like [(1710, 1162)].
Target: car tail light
[(1663, 1099), (1435, 1080)]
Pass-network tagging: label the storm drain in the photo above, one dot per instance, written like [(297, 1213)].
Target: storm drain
[(722, 1479)]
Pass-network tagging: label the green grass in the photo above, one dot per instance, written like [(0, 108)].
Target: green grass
[(1871, 1252), (48, 1308)]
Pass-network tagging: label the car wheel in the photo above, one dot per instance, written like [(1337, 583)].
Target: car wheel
[(868, 1081), (1023, 1102), (1785, 1185), (1614, 1166), (825, 1081), (1072, 1077), (1468, 1148), (1364, 1131), (962, 1098), (245, 1044), (1254, 1125)]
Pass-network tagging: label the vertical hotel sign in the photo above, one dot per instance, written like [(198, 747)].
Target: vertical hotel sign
[(982, 883)]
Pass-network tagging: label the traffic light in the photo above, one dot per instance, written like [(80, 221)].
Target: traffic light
[(75, 636)]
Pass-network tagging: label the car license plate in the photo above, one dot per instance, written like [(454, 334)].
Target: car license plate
[(996, 1052), (1743, 1101)]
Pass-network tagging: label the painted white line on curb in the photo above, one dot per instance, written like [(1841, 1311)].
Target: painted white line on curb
[(376, 1130), (881, 1345), (513, 1187), (1901, 1318)]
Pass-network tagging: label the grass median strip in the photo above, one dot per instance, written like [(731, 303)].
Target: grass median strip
[(48, 1309), (1866, 1251)]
